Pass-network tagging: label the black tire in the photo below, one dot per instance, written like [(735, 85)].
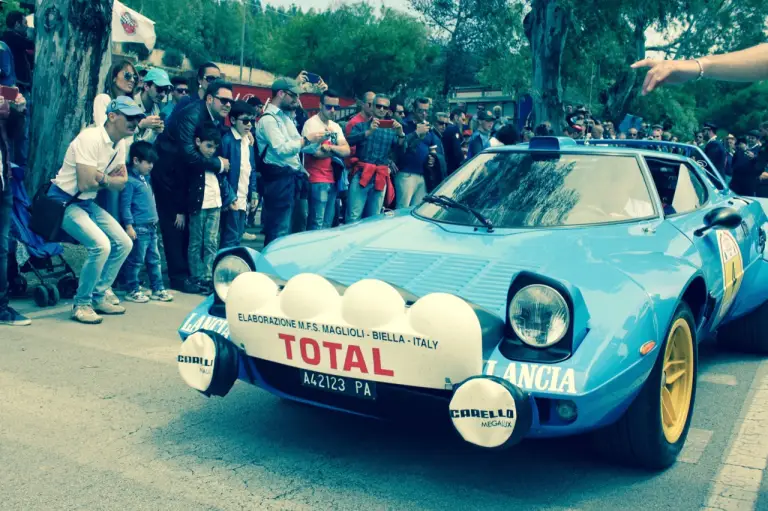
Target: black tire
[(18, 286), (746, 334), (67, 287), (41, 296), (53, 294), (637, 438)]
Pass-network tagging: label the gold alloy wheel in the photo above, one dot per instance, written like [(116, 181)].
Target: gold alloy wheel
[(677, 380)]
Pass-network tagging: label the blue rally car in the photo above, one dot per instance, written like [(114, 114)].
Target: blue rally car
[(544, 290)]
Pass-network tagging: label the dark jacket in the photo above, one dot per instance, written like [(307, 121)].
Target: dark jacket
[(717, 154), (230, 149), (746, 172), (414, 158), (452, 140), (23, 58), (180, 166), (9, 129)]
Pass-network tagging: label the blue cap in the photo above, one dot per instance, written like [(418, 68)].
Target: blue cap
[(158, 77), (125, 106)]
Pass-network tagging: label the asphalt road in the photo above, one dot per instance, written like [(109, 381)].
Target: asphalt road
[(97, 417)]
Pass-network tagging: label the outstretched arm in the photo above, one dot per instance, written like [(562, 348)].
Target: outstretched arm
[(748, 65)]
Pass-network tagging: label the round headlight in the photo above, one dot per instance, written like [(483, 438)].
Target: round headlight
[(228, 268), (539, 315)]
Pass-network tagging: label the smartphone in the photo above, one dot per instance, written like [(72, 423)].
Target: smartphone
[(313, 78), (9, 93), (387, 123)]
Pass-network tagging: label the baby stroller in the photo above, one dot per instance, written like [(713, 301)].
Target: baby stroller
[(35, 255)]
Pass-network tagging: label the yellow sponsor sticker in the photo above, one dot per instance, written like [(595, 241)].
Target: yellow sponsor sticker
[(733, 269)]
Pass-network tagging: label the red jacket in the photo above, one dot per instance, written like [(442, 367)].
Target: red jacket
[(381, 179)]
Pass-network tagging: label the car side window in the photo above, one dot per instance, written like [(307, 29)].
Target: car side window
[(680, 187)]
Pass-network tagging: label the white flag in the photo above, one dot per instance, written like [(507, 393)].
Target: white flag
[(128, 26)]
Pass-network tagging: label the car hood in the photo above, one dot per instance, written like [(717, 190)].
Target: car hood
[(423, 257)]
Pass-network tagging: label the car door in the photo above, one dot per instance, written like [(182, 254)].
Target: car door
[(725, 252)]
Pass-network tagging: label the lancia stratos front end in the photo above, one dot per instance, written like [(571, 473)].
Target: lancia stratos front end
[(506, 331)]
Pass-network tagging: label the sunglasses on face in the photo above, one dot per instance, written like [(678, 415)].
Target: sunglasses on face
[(400, 112), (441, 123), (331, 107), (181, 91), (130, 77), (210, 78), (633, 135), (382, 107), (247, 121), (163, 90), (134, 118), (423, 110), (224, 101)]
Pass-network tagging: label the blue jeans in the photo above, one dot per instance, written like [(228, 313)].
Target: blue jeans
[(106, 242), (322, 206), (144, 251), (280, 196), (203, 242), (232, 228), (410, 189), (363, 201), (6, 202)]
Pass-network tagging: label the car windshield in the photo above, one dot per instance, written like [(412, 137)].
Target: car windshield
[(519, 189)]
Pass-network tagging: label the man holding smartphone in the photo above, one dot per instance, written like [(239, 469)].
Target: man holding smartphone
[(424, 156), (279, 145), (322, 164)]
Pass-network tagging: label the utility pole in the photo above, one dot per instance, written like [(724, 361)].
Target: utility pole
[(242, 43)]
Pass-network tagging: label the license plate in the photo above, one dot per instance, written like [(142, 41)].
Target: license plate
[(338, 384)]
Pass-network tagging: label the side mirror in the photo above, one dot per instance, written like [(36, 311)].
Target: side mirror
[(719, 217)]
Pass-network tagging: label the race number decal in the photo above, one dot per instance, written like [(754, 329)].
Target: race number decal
[(733, 268)]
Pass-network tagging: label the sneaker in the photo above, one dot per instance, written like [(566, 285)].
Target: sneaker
[(247, 236), (136, 297), (10, 317), (86, 314), (162, 296), (145, 290), (206, 288), (111, 297), (105, 307), (191, 287)]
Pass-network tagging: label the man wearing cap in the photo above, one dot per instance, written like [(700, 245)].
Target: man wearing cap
[(156, 86), (481, 139), (95, 160), (658, 129), (279, 144), (178, 160), (714, 149)]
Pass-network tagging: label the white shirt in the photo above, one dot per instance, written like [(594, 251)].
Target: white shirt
[(245, 171), (91, 147), (100, 104), (212, 192)]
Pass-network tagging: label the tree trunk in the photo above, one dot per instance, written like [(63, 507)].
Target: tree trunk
[(549, 24), (72, 43)]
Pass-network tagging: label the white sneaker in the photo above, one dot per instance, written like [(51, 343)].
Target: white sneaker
[(136, 297), (111, 297), (247, 236), (162, 296)]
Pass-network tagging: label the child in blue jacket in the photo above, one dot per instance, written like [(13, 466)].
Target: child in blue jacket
[(237, 147)]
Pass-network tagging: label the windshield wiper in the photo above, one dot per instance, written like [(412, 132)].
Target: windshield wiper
[(447, 202)]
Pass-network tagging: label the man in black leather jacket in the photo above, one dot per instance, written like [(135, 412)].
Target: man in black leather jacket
[(170, 177)]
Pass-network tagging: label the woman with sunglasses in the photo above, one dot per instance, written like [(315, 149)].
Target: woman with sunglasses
[(121, 81)]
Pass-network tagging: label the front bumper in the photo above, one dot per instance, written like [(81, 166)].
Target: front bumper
[(546, 390)]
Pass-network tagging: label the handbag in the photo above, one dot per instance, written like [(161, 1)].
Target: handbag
[(48, 212)]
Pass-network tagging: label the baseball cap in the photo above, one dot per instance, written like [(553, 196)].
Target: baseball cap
[(125, 106), (711, 126), (754, 133), (288, 84), (158, 76), (485, 115)]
